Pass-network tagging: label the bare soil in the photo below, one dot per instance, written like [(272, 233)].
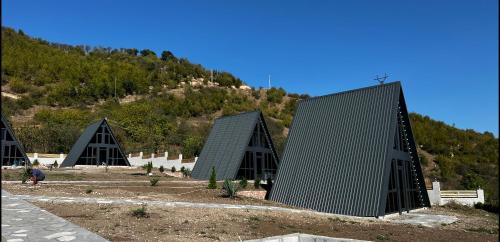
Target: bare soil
[(116, 223)]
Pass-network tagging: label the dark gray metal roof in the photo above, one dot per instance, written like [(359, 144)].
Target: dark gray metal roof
[(337, 153), (226, 144), (18, 143), (83, 141)]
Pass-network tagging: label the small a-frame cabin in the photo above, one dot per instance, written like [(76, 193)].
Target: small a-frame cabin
[(238, 146), (96, 146), (352, 153), (12, 151)]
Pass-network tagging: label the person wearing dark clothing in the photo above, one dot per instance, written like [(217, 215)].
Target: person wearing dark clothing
[(268, 187), (37, 175)]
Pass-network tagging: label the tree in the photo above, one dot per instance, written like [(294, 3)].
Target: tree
[(212, 183), (167, 55), (147, 52)]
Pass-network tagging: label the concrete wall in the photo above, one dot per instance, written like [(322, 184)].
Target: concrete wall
[(46, 161), (160, 161), (436, 196)]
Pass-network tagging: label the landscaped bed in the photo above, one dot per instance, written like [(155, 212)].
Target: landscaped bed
[(116, 222)]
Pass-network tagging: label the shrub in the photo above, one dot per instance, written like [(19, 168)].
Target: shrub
[(55, 164), (243, 183), (161, 169), (182, 169), (36, 163), (230, 188), (492, 208), (89, 190), (154, 180), (173, 169), (212, 183), (423, 160), (256, 183), (139, 212), (148, 167), (19, 86), (25, 175), (186, 172)]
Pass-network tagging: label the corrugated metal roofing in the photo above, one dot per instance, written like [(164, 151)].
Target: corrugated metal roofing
[(18, 143), (84, 140), (338, 151), (226, 144)]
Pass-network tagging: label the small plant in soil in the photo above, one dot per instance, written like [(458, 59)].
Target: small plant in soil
[(230, 188), (182, 169), (161, 169), (55, 164), (36, 163), (139, 212), (256, 183), (154, 181), (148, 167), (25, 175), (212, 182), (186, 172), (243, 183), (89, 190), (173, 169)]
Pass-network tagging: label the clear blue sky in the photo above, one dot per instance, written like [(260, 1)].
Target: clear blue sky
[(444, 52)]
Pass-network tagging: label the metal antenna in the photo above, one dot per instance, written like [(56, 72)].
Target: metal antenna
[(381, 79)]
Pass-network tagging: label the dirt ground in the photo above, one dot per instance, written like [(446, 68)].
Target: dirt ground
[(116, 222)]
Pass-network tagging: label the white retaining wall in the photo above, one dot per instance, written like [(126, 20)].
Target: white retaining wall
[(437, 197), (161, 161), (47, 161)]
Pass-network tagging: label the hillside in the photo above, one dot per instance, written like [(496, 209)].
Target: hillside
[(52, 91)]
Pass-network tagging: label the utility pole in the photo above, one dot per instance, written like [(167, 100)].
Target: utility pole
[(269, 81)]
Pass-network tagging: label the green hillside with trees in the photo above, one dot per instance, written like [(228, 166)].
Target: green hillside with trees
[(56, 90)]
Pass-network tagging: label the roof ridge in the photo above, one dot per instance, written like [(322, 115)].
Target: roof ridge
[(352, 90), (239, 114)]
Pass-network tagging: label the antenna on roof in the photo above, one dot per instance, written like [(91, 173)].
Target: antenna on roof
[(381, 79)]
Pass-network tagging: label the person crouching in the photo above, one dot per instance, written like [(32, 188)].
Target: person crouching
[(36, 176)]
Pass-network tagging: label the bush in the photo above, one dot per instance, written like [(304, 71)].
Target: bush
[(161, 169), (492, 208), (154, 181), (19, 86), (423, 160), (36, 163), (25, 175), (148, 167), (182, 169), (256, 183), (243, 183), (186, 172), (55, 164), (173, 169), (88, 191), (212, 183), (139, 212), (230, 188)]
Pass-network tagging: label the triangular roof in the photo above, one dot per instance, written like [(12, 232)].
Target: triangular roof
[(338, 153), (225, 146), (11, 132), (84, 140)]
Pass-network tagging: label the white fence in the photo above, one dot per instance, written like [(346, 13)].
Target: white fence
[(465, 197), (161, 161), (134, 161)]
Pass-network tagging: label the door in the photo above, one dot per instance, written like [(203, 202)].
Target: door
[(103, 155)]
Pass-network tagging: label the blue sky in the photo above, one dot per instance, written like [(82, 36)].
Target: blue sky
[(444, 52)]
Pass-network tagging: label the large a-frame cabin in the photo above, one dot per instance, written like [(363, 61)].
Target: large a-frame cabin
[(12, 151), (238, 146), (352, 153), (96, 146)]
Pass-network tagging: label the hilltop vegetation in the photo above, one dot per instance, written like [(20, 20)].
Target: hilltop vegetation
[(63, 88)]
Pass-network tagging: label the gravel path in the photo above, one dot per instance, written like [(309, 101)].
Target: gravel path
[(22, 221), (424, 219)]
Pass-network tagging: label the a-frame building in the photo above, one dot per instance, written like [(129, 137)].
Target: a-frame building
[(96, 146), (352, 153), (12, 151), (238, 146)]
